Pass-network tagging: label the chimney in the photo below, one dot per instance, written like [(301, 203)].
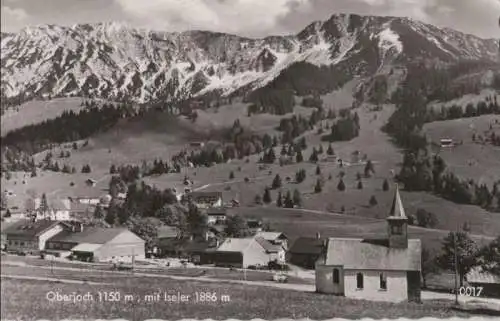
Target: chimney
[(318, 235)]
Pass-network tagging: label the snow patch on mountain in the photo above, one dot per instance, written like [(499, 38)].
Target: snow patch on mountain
[(388, 40), (114, 61)]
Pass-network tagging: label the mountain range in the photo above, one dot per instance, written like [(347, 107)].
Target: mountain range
[(117, 62)]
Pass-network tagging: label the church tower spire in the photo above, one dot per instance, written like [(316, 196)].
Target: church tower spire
[(397, 223)]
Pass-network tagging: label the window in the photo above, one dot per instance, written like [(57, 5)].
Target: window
[(359, 280), (336, 276), (383, 281), (397, 229)]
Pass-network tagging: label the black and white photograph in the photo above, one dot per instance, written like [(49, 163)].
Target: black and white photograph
[(250, 160)]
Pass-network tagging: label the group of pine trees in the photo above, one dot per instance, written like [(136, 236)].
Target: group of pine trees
[(69, 126), (289, 200), (345, 128)]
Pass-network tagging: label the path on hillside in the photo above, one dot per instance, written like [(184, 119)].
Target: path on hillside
[(426, 295), (228, 183)]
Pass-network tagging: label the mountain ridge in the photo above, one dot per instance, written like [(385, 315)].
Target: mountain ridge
[(117, 62)]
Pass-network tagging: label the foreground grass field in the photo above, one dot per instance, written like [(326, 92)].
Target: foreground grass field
[(27, 300)]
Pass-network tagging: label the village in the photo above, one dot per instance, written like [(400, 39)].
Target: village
[(387, 268)]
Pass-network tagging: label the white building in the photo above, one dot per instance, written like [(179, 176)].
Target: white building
[(59, 210), (377, 269)]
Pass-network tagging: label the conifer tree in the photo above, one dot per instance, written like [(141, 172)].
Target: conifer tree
[(279, 200), (341, 185), (267, 196), (318, 188), (385, 185), (297, 198), (288, 203), (299, 158), (277, 183)]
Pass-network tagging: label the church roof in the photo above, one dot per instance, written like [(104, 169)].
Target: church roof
[(397, 208), (358, 254)]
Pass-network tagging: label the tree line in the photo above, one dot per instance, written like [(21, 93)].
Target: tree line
[(69, 126)]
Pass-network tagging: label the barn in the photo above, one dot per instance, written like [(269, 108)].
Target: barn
[(95, 244)]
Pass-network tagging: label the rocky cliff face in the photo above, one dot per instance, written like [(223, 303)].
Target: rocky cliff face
[(117, 62)]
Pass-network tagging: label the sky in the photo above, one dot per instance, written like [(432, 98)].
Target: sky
[(253, 18)]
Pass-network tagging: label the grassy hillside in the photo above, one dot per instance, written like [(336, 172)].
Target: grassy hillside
[(158, 135), (36, 111), (472, 160)]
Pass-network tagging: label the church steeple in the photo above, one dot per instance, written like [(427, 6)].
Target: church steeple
[(397, 223)]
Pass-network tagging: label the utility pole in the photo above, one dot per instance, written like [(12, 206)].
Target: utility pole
[(133, 260), (456, 265)]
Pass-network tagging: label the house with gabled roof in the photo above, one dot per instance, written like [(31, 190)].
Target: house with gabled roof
[(216, 215), (305, 251), (386, 269), (95, 244), (245, 252), (276, 238), (206, 199), (30, 236), (487, 281)]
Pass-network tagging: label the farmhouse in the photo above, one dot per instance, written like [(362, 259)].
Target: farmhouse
[(379, 270), (206, 199), (91, 182), (305, 251), (29, 236), (3, 235), (167, 238), (245, 252), (275, 238), (197, 144), (489, 283), (216, 216), (85, 194), (446, 142), (94, 244), (254, 226)]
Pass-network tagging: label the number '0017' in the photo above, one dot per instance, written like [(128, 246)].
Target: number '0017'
[(470, 291)]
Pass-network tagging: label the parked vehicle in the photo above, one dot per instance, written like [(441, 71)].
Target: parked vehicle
[(280, 278), (122, 267)]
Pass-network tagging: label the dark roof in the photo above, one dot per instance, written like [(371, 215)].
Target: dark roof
[(216, 211), (266, 245), (94, 235), (217, 228), (29, 228), (254, 223), (205, 194), (361, 255), (197, 247), (307, 245)]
